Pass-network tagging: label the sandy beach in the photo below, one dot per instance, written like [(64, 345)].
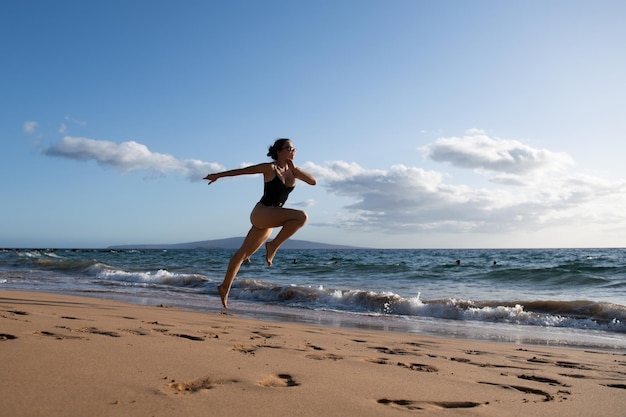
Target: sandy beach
[(74, 356)]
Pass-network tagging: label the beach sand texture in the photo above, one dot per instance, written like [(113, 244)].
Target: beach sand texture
[(73, 356)]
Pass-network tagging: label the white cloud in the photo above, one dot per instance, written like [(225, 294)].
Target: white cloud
[(405, 199), (30, 127), (75, 121), (305, 203), (63, 128), (129, 156), (476, 150)]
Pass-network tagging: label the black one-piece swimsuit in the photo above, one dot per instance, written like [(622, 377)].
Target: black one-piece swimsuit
[(275, 193)]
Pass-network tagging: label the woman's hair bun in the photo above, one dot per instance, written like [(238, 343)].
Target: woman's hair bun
[(277, 146)]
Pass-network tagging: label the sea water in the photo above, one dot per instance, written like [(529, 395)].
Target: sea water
[(566, 297)]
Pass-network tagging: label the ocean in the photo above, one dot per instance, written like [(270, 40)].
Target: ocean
[(559, 297)]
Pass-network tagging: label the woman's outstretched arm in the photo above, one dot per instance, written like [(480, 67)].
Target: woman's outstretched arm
[(253, 169)]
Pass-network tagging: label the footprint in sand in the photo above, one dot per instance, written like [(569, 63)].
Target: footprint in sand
[(378, 361), (488, 365), (156, 323), (93, 330), (420, 367), (209, 334), (425, 345), (475, 352), (247, 349), (187, 336), (6, 336), (573, 365), (323, 356), (193, 386), (426, 405), (279, 381), (56, 335), (136, 332), (561, 364), (535, 359), (265, 335), (199, 384), (544, 380), (11, 314), (527, 390), (313, 347), (18, 312), (390, 351)]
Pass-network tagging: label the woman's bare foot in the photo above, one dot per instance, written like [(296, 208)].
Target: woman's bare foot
[(224, 295), (270, 251)]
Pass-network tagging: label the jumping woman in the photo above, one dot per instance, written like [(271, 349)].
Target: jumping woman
[(280, 180)]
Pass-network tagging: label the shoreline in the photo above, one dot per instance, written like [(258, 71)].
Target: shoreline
[(565, 337), (69, 355)]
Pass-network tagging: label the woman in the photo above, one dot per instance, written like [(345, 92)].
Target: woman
[(280, 179)]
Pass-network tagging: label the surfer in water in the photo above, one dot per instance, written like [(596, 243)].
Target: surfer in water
[(280, 179)]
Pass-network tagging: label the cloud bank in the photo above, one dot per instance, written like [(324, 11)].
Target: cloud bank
[(129, 156), (479, 151), (532, 191), (528, 188)]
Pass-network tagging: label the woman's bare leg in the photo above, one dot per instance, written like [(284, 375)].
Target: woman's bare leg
[(289, 228), (290, 220), (251, 244)]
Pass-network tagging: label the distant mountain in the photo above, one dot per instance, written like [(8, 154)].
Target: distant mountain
[(231, 243)]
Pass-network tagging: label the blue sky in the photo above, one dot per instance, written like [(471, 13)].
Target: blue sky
[(428, 124)]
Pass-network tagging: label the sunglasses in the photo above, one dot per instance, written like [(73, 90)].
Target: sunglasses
[(289, 148)]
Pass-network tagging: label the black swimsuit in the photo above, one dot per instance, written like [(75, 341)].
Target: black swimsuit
[(275, 193)]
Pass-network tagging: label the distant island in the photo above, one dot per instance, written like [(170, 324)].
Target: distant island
[(231, 243)]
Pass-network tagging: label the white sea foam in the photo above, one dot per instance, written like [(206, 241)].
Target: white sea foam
[(161, 277)]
